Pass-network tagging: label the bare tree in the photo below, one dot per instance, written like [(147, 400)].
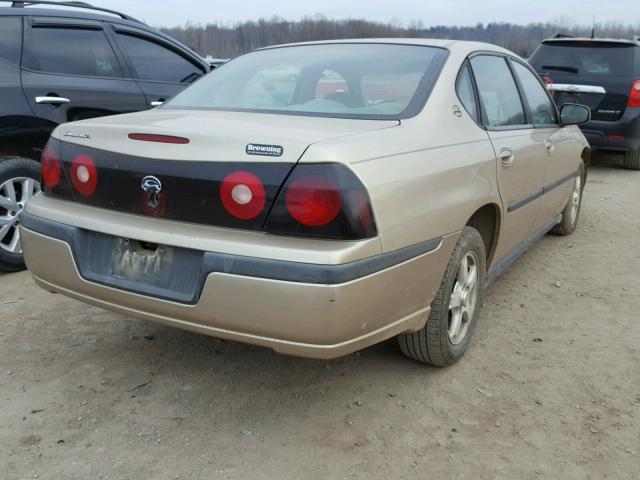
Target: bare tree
[(227, 41)]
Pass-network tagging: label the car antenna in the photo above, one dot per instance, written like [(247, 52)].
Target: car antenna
[(593, 28)]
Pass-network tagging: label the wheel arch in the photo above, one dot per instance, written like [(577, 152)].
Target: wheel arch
[(24, 136), (487, 220), (586, 160), (586, 156)]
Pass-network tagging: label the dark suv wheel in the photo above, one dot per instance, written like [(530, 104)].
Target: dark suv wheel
[(19, 181), (632, 160)]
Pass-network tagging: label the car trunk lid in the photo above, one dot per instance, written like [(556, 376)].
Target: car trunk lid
[(184, 181), (213, 136)]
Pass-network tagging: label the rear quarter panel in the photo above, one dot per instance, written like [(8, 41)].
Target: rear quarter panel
[(431, 192), (425, 177)]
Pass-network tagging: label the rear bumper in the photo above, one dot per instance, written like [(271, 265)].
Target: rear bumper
[(622, 135), (312, 310)]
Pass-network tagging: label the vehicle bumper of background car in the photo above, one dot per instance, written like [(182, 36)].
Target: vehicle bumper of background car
[(622, 135), (318, 320)]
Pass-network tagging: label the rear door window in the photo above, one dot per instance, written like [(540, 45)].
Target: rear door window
[(70, 51), (464, 88), (10, 38), (499, 97), (151, 61), (542, 109)]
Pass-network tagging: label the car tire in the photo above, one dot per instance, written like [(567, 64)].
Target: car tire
[(571, 211), (14, 171), (454, 311), (631, 160)]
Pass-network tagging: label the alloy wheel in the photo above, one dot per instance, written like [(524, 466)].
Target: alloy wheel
[(575, 199), (462, 302), (14, 194)]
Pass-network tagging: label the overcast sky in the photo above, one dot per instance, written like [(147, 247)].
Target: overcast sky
[(430, 12)]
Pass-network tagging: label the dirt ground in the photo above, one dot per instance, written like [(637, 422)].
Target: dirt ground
[(550, 388)]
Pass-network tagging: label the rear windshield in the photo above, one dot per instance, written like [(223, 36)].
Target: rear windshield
[(370, 81), (584, 58)]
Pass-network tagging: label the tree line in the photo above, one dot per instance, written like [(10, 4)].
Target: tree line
[(228, 41)]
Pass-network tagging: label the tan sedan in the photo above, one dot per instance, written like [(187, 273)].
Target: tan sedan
[(370, 192)]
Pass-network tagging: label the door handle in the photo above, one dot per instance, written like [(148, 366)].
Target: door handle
[(52, 100), (157, 103), (506, 157), (549, 146)]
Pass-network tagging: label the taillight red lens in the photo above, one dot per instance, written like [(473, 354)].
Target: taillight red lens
[(313, 200), (359, 202), (51, 167), (242, 194), (634, 95), (322, 200), (84, 175)]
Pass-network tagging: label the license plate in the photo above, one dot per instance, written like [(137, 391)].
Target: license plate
[(140, 262), (170, 273)]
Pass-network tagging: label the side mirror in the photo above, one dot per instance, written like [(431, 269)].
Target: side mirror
[(574, 114)]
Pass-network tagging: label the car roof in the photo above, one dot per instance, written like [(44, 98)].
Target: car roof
[(88, 15), (459, 46), (625, 41), (70, 12)]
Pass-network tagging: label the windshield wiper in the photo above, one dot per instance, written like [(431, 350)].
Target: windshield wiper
[(560, 68)]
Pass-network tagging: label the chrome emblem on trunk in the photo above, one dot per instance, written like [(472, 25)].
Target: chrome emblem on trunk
[(76, 135), (152, 186)]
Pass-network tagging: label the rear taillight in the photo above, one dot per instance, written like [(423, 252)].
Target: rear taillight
[(243, 195), (50, 164), (313, 200), (324, 201), (84, 175), (634, 95)]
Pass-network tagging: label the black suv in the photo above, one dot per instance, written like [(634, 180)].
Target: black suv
[(60, 65), (603, 74)]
